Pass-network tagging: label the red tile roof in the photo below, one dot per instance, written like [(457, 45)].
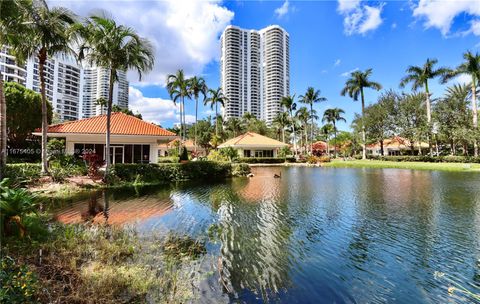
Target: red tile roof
[(121, 124)]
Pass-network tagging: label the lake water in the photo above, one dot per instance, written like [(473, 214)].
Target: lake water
[(316, 235)]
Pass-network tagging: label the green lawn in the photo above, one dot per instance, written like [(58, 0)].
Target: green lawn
[(403, 165)]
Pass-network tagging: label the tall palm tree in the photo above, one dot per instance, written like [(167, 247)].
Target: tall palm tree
[(419, 77), (44, 34), (178, 88), (216, 97), (354, 86), (234, 125), (11, 26), (303, 116), (196, 87), (326, 130), (281, 121), (311, 96), (106, 44), (333, 116), (470, 66), (288, 102)]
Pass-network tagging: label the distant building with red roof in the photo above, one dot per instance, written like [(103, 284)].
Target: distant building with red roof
[(132, 140)]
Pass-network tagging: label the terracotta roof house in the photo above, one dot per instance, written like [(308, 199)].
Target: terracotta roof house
[(189, 144), (395, 146), (252, 144), (132, 140)]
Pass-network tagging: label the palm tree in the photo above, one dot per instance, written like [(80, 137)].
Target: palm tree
[(281, 121), (311, 97), (44, 34), (178, 88), (234, 125), (303, 116), (106, 44), (354, 86), (326, 130), (471, 67), (196, 87), (288, 102), (333, 116), (419, 77), (216, 97), (11, 26)]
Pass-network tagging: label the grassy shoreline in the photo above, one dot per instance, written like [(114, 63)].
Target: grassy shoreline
[(453, 167)]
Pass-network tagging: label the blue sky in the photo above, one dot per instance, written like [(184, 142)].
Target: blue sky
[(327, 39)]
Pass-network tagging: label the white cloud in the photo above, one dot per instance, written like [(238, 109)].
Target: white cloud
[(359, 18), (337, 62), (463, 79), (155, 110), (347, 73), (441, 13), (282, 10), (184, 33), (394, 25)]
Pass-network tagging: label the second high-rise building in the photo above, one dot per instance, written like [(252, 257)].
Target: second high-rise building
[(255, 71)]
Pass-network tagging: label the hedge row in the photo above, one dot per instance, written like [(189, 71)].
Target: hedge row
[(265, 160), (200, 170), (429, 159)]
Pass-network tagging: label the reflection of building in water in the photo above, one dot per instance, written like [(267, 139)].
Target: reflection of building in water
[(254, 238), (118, 212)]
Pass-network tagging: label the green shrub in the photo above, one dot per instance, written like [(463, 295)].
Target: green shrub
[(215, 155), (285, 151), (230, 153), (197, 170), (17, 283), (22, 173), (266, 160), (168, 160), (55, 148), (241, 169)]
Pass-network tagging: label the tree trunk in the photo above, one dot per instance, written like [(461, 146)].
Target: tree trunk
[(196, 119), (382, 152), (42, 58), (294, 137), (364, 140), (109, 116), (335, 138), (216, 120), (311, 129), (283, 134), (429, 119), (3, 128), (475, 115)]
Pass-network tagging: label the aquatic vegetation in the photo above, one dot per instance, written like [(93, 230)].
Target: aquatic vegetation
[(179, 247)]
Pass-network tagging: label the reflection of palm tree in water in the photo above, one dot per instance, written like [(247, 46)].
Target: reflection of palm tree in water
[(93, 208), (106, 206)]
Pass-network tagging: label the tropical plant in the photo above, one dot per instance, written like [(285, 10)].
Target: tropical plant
[(303, 116), (197, 86), (216, 97), (312, 96), (281, 121), (419, 77), (177, 86), (470, 67), (43, 34), (229, 152), (453, 117), (326, 131), (288, 102), (354, 87), (411, 122), (333, 116), (23, 106), (104, 43), (380, 118), (15, 203), (234, 125)]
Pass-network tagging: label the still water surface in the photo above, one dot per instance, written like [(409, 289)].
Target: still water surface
[(316, 235)]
